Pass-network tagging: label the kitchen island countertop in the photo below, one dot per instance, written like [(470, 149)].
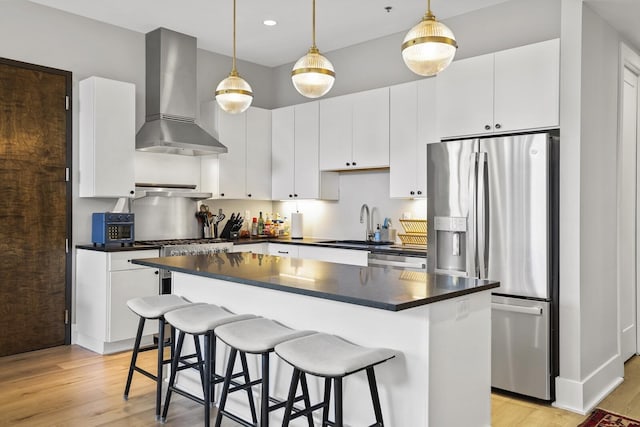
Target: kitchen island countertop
[(378, 287)]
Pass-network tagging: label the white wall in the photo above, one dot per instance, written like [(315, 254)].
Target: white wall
[(378, 63), (589, 362)]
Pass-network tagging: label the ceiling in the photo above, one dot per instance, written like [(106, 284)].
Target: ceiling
[(339, 23)]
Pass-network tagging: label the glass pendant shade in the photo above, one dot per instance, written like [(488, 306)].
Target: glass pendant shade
[(313, 74), (429, 47), (234, 94)]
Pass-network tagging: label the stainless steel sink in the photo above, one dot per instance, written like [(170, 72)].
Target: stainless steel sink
[(356, 242)]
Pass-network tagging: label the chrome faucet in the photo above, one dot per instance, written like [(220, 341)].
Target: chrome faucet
[(369, 226)]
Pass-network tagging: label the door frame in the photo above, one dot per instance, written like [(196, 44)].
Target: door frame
[(68, 164)]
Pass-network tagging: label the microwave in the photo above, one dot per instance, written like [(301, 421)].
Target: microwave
[(112, 228)]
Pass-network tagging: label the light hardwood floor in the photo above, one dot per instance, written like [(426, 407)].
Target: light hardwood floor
[(71, 386)]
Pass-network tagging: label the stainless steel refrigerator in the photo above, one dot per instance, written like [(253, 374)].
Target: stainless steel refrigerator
[(492, 210)]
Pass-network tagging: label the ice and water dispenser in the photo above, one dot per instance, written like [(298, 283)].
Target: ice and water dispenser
[(451, 244)]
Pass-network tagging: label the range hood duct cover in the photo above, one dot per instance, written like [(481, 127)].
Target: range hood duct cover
[(171, 96)]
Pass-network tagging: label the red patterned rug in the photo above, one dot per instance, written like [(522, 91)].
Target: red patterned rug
[(602, 418)]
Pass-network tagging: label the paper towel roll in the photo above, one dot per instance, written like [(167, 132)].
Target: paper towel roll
[(296, 225)]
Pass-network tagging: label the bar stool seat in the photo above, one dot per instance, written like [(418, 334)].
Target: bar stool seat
[(196, 320), (154, 308), (255, 336), (332, 358)]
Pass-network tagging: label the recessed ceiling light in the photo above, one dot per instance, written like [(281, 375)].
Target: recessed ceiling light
[(269, 22)]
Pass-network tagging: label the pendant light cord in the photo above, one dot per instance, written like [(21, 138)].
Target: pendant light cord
[(429, 15), (313, 27), (233, 66)]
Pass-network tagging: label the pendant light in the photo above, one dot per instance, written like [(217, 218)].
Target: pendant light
[(429, 47), (234, 94), (313, 75)]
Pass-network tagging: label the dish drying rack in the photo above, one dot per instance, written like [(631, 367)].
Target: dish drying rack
[(415, 233)]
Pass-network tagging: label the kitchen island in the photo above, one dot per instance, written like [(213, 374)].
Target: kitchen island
[(440, 325)]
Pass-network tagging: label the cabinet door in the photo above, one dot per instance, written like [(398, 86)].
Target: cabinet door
[(258, 167), (107, 133), (232, 165), (527, 82), (427, 130), (256, 248), (371, 129), (336, 133), (337, 255), (122, 323), (307, 134), (279, 249), (282, 153), (403, 139), (465, 97)]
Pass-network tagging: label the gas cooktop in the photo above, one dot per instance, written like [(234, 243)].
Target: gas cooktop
[(172, 242)]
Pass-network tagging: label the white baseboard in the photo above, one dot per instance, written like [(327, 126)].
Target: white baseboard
[(582, 396)]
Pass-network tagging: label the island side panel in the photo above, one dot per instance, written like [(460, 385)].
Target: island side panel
[(460, 363), (403, 382)]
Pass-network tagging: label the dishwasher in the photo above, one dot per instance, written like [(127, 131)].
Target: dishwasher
[(394, 260)]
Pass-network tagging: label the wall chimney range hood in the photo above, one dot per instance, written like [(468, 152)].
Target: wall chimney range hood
[(171, 98)]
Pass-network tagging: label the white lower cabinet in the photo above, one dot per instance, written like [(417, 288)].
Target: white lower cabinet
[(104, 283), (283, 250), (337, 255), (256, 248)]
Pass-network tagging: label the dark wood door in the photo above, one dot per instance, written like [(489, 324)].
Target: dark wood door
[(35, 214)]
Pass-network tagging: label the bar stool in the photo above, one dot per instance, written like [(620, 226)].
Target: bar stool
[(154, 308), (256, 336), (196, 320), (332, 358)]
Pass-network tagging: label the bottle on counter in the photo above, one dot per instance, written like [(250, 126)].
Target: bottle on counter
[(268, 225), (376, 235), (260, 225), (254, 226)]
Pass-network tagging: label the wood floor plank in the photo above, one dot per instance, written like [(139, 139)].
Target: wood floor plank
[(72, 387)]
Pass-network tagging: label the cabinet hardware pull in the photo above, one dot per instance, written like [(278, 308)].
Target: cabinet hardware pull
[(290, 195), (487, 127), (249, 195), (221, 194), (295, 195), (419, 192), (412, 192), (157, 272), (353, 164), (498, 125), (283, 252)]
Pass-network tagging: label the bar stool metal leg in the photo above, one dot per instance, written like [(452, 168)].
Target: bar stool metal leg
[(375, 398), (172, 377), (134, 357), (337, 397)]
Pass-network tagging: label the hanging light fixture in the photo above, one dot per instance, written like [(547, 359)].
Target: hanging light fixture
[(313, 75), (429, 47), (234, 94)]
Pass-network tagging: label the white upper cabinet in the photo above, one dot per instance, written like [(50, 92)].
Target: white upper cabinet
[(244, 172), (354, 131), (282, 153), (258, 154), (530, 74), (107, 132), (412, 126), (511, 90), (294, 159)]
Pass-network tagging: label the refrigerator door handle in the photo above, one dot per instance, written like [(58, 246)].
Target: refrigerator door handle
[(535, 311), (472, 220), (482, 216)]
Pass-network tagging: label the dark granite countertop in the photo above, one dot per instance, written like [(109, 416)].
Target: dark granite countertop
[(116, 248), (379, 287), (328, 243)]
